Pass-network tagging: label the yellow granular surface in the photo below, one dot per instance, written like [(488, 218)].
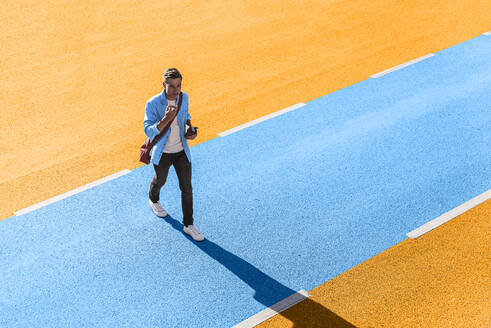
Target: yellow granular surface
[(442, 279), (76, 74)]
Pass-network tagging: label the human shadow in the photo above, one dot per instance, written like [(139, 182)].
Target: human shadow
[(268, 291)]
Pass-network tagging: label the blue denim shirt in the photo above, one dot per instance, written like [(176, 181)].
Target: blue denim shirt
[(154, 112)]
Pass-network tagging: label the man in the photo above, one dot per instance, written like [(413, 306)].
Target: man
[(172, 148)]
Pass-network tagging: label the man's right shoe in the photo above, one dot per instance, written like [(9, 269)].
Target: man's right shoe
[(158, 209)]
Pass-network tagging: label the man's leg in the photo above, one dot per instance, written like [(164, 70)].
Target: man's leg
[(183, 170), (161, 172)]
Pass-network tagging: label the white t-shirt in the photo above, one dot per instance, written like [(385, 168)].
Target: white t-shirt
[(174, 143)]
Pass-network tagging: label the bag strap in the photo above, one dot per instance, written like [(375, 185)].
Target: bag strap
[(164, 130)]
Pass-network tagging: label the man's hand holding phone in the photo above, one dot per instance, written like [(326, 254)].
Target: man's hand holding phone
[(191, 133)]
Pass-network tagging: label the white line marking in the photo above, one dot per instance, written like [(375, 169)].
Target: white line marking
[(487, 33), (395, 68), (261, 119), (273, 310), (71, 193), (418, 232)]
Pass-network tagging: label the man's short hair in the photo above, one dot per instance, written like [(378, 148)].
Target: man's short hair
[(171, 73)]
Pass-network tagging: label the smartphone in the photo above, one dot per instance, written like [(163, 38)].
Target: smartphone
[(191, 130)]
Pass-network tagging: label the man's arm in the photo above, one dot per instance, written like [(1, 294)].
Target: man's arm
[(150, 121), (188, 122)]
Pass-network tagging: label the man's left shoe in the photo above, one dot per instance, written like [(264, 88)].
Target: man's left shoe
[(193, 232), (157, 209)]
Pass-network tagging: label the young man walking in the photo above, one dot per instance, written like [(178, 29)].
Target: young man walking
[(172, 148)]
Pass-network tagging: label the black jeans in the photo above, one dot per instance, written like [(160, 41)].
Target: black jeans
[(183, 169)]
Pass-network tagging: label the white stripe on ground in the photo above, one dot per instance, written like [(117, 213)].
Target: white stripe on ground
[(273, 310), (449, 215), (261, 119), (71, 193), (395, 68), (487, 33)]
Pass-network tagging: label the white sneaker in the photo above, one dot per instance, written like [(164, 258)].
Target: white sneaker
[(158, 209), (193, 232)]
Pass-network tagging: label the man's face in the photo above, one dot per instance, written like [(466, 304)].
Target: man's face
[(172, 88)]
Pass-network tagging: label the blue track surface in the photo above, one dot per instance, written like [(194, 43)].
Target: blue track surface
[(285, 205)]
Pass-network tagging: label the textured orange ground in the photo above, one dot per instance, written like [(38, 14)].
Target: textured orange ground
[(442, 279), (76, 74)]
